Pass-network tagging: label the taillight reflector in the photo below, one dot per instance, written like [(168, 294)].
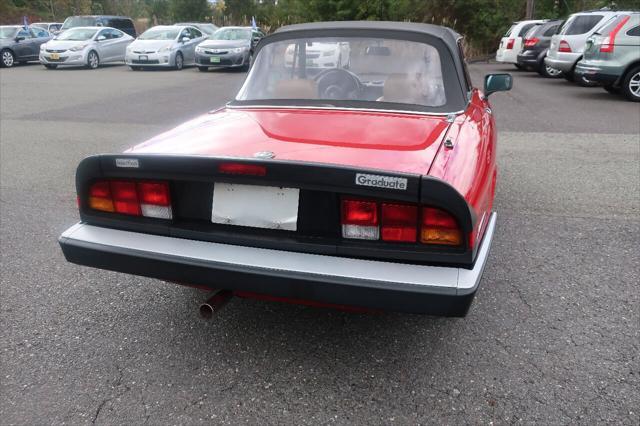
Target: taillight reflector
[(510, 43), (360, 219), (155, 200), (399, 222), (242, 169), (439, 227), (564, 47), (609, 42), (530, 42)]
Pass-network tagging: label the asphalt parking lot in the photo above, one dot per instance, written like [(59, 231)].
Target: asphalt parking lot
[(552, 337)]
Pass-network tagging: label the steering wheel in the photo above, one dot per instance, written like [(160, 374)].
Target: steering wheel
[(338, 83)]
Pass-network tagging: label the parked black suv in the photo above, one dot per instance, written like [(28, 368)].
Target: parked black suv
[(535, 47), (123, 23)]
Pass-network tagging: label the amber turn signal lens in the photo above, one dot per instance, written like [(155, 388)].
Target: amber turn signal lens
[(102, 204), (450, 237)]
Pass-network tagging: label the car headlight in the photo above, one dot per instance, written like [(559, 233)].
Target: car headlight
[(199, 49), (329, 53), (166, 48), (78, 47), (240, 49), (42, 47)]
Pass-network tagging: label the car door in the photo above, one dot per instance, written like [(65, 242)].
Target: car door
[(120, 43), (104, 45), (196, 38), (23, 46), (39, 36), (189, 46)]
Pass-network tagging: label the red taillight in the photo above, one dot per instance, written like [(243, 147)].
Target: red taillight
[(564, 47), (510, 43), (155, 200), (100, 197), (439, 227), (242, 169), (530, 42), (609, 43), (149, 199), (360, 219), (399, 222), (125, 197)]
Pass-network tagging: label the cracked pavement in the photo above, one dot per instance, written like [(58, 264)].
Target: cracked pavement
[(552, 337)]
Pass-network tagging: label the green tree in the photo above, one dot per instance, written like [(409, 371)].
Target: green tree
[(189, 10)]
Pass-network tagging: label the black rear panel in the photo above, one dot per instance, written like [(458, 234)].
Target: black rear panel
[(192, 181)]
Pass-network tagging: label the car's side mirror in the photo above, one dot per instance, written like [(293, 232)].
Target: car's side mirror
[(101, 38), (185, 39), (497, 83), (19, 38)]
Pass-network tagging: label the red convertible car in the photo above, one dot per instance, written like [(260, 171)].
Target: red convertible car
[(356, 167)]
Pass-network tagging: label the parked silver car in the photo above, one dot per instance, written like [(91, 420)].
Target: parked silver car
[(19, 44), (170, 46), (228, 47), (568, 45), (88, 46)]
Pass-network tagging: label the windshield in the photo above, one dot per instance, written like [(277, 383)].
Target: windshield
[(8, 32), (348, 69), (232, 34), (78, 34), (160, 34), (78, 21)]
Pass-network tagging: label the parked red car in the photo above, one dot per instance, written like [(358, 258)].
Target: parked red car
[(364, 181)]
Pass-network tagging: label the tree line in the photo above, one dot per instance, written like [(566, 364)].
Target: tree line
[(482, 22)]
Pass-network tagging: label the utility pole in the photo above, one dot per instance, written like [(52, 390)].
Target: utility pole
[(531, 7)]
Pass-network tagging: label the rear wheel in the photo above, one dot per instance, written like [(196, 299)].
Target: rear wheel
[(631, 85), (203, 69), (92, 60), (179, 64), (520, 67), (50, 66), (548, 72), (7, 59)]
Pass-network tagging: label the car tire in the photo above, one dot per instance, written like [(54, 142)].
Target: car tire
[(93, 60), (7, 59), (203, 69), (612, 89), (247, 65), (549, 72), (631, 84), (520, 67), (179, 62), (50, 66)]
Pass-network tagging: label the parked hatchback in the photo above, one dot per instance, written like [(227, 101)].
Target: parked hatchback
[(612, 56), (536, 46), (19, 44), (512, 42), (122, 23), (568, 45), (168, 46)]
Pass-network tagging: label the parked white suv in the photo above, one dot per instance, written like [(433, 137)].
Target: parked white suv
[(568, 45), (511, 43)]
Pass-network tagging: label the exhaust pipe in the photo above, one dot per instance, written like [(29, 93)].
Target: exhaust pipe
[(214, 303)]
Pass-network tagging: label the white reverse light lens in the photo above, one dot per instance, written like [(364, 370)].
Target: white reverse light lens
[(361, 232), (160, 212)]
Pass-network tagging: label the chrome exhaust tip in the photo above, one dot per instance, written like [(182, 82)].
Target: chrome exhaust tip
[(214, 303)]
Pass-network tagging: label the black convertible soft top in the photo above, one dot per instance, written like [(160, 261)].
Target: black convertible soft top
[(444, 39)]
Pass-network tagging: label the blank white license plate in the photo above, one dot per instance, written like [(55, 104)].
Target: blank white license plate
[(255, 206)]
